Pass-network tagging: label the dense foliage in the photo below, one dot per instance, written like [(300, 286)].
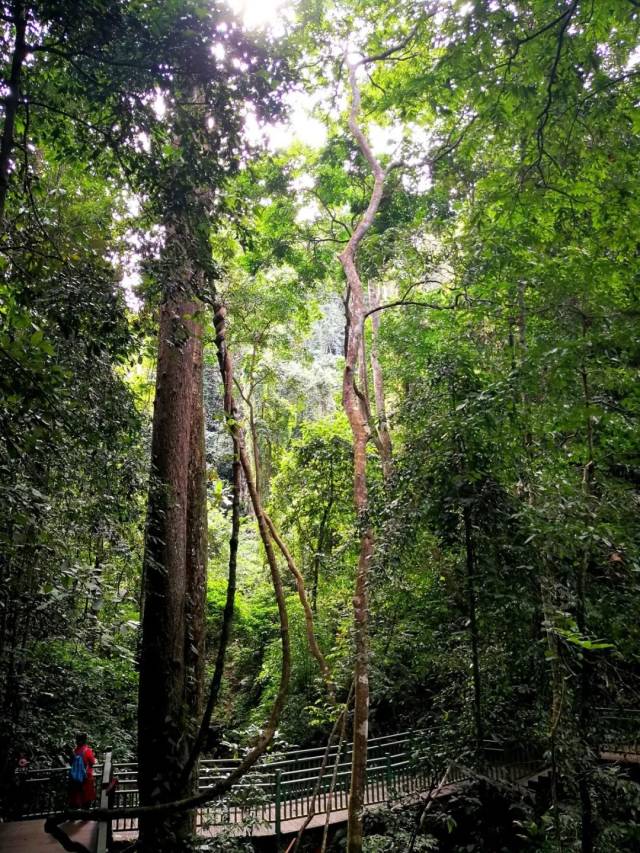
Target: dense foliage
[(500, 358)]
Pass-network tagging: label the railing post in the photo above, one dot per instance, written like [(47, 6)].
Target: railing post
[(412, 760), (387, 773), (278, 807), (104, 827)]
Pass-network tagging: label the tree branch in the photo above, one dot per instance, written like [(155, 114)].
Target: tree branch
[(304, 601), (387, 54), (544, 29), (415, 303), (543, 116), (227, 620)]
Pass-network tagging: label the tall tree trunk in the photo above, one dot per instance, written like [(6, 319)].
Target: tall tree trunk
[(356, 409), (12, 99), (172, 647), (196, 561), (473, 625), (162, 828), (584, 685)]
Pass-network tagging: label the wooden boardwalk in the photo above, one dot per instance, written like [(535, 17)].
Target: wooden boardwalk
[(28, 836), (390, 779), (282, 790), (291, 826)]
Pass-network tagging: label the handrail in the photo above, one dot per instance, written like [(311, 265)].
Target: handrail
[(283, 784), (395, 778), (104, 827)]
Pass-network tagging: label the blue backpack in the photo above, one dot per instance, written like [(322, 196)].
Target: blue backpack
[(78, 771)]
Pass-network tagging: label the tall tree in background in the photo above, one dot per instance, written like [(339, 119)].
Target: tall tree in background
[(356, 410), (174, 568), (96, 89), (204, 119)]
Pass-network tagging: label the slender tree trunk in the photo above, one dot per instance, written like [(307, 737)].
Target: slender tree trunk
[(473, 625), (322, 533), (584, 685), (521, 322), (275, 536), (549, 607), (233, 422), (12, 99), (334, 776), (304, 601), (548, 581), (172, 646), (338, 724), (255, 450), (357, 413), (227, 619)]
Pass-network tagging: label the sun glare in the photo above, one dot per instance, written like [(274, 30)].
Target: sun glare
[(262, 14)]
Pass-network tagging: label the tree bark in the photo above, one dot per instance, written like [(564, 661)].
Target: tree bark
[(356, 409), (196, 565), (12, 100), (473, 625), (172, 647)]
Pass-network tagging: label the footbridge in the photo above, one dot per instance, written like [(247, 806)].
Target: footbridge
[(297, 786)]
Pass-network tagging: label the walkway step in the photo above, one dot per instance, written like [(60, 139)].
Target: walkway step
[(28, 836)]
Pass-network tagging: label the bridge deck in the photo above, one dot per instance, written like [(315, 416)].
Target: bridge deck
[(377, 794), (621, 755), (278, 793), (293, 825), (28, 836)]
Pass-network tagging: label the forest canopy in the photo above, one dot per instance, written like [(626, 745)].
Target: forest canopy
[(319, 404)]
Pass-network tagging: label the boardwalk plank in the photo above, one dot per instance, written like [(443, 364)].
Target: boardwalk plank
[(28, 836)]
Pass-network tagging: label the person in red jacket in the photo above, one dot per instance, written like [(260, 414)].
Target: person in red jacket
[(83, 794)]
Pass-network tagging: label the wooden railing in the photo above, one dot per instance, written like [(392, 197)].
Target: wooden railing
[(620, 728), (38, 793), (286, 787), (287, 778), (105, 828)]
